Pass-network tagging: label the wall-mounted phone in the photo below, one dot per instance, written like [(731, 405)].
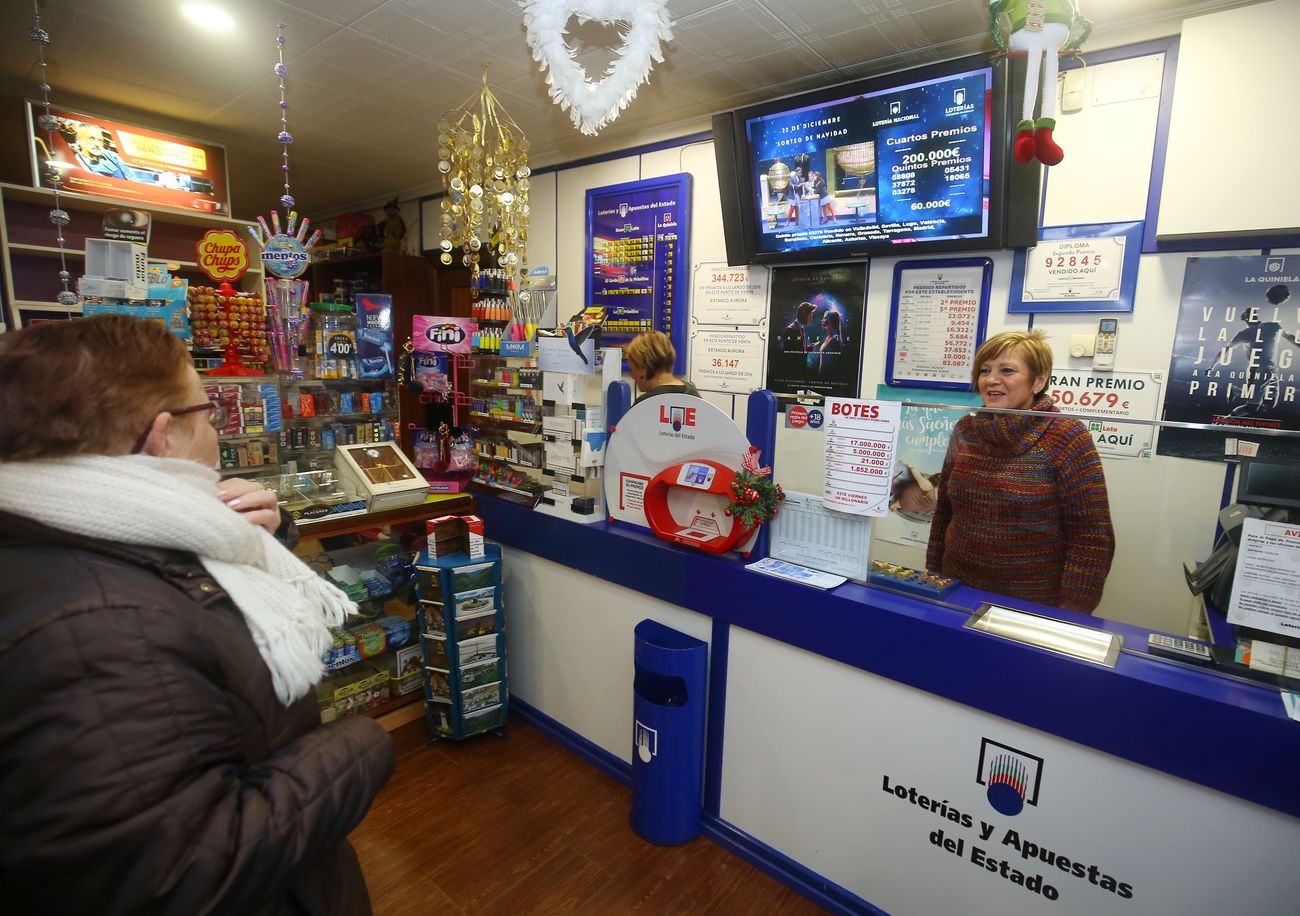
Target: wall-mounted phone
[(1103, 356)]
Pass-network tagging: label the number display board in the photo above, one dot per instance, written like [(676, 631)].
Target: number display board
[(637, 244)]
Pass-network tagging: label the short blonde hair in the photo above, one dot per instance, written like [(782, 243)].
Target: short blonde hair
[(653, 351), (1031, 345)]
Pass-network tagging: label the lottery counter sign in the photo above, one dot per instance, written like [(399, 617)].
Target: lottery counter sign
[(1108, 399), (861, 444)]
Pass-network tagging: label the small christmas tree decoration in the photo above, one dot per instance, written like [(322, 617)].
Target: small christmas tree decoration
[(755, 497)]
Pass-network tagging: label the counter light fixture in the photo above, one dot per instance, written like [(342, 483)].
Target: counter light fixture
[(1047, 633), (208, 16)]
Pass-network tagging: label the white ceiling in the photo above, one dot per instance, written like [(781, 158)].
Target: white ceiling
[(370, 78)]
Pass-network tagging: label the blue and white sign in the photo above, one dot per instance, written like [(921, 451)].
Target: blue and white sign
[(285, 256), (566, 354), (1088, 268)]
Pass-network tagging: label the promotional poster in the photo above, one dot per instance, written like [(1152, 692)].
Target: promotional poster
[(102, 156), (923, 434), (815, 321), (1236, 359), (637, 252), (902, 164)]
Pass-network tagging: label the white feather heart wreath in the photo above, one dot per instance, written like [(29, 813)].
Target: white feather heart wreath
[(593, 105)]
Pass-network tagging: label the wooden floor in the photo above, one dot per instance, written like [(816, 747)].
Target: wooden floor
[(519, 825)]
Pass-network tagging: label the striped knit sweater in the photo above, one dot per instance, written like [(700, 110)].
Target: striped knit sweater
[(1023, 511)]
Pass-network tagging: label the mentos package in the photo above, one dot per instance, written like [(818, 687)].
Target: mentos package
[(375, 334)]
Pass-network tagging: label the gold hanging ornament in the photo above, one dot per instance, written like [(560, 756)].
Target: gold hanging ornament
[(483, 159)]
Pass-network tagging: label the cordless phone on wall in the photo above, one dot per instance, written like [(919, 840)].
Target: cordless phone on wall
[(1104, 351)]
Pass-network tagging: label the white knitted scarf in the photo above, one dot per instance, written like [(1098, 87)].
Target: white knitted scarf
[(173, 503)]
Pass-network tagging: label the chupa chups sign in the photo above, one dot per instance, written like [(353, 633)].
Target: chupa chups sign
[(221, 255)]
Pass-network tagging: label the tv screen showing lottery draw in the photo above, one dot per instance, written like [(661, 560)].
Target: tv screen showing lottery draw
[(903, 164)]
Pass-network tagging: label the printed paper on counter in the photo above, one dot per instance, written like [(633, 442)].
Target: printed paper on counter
[(1267, 579)]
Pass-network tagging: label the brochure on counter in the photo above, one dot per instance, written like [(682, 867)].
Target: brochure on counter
[(794, 573)]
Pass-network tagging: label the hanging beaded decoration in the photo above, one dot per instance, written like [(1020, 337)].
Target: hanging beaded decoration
[(48, 123), (284, 136)]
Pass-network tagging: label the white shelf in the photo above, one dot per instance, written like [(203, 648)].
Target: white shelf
[(49, 251), (92, 201), (37, 306)]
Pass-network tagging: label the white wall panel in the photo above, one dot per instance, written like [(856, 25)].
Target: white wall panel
[(1235, 127), (809, 743), (569, 641)]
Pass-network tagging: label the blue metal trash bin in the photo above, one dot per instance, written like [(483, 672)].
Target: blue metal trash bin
[(668, 733)]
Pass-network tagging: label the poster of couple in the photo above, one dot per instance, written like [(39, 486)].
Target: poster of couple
[(815, 313)]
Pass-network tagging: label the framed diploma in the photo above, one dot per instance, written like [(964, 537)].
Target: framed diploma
[(1088, 268), (937, 316)]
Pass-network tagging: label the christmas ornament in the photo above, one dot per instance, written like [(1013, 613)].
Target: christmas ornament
[(285, 138), (592, 105), (1041, 30), (483, 159), (755, 497)]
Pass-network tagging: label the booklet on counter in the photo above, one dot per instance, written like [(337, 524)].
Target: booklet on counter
[(771, 566)]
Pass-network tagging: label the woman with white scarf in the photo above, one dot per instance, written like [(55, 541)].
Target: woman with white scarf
[(160, 744)]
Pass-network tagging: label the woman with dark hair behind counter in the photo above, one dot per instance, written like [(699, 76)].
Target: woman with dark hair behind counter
[(161, 749), (1020, 505)]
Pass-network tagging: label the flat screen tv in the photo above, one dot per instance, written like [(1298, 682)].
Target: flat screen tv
[(1267, 483), (911, 162)]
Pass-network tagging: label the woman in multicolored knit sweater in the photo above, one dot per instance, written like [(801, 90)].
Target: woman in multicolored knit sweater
[(1021, 506)]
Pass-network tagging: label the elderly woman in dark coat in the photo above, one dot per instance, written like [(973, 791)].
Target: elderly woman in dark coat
[(160, 746)]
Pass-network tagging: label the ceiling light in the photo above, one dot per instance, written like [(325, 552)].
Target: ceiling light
[(209, 17)]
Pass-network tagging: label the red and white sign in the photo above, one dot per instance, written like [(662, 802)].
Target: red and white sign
[(861, 442), (222, 255)]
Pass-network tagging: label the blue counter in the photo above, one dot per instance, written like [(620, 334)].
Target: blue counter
[(1219, 732)]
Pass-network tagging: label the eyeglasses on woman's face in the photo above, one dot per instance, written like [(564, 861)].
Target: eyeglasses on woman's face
[(216, 419)]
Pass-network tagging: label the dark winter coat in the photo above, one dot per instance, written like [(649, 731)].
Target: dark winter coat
[(146, 765)]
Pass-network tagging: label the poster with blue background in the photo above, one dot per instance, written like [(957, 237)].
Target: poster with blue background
[(1236, 358), (638, 245)]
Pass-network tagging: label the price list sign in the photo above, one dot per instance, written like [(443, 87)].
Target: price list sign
[(931, 155), (637, 245), (936, 321), (861, 443)]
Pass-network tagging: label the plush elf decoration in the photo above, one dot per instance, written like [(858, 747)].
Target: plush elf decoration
[(1041, 29)]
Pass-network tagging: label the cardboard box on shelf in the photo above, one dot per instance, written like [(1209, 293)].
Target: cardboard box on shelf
[(452, 534)]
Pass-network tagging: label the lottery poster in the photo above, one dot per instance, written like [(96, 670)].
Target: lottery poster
[(1234, 363), (637, 252)]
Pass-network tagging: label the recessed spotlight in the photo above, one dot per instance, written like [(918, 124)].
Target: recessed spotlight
[(208, 16)]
